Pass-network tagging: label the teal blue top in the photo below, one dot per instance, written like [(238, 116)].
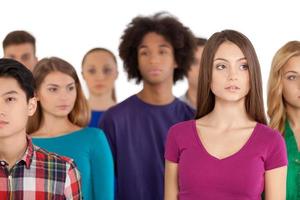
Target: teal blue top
[(91, 153)]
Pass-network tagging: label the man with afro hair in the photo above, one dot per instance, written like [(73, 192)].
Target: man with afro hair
[(157, 51)]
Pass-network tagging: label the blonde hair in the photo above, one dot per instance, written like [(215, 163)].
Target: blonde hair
[(276, 104), (80, 114)]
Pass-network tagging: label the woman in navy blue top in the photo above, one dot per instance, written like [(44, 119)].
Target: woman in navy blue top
[(99, 70)]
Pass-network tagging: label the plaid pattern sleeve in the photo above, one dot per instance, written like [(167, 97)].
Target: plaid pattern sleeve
[(72, 186), (40, 175)]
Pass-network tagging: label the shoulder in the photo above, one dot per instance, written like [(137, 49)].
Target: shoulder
[(267, 132), (120, 108), (53, 159), (182, 129), (93, 134), (184, 107), (268, 137)]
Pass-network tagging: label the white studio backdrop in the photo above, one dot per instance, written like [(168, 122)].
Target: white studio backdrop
[(68, 29)]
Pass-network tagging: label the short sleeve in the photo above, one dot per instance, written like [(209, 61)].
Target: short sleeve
[(172, 148), (276, 153)]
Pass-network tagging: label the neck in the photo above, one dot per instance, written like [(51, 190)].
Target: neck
[(159, 94), (192, 95), (293, 115), (101, 102), (52, 126), (229, 114), (13, 148)]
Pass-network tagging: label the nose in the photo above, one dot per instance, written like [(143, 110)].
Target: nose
[(232, 73), (153, 58)]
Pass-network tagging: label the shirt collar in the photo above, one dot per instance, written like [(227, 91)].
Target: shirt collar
[(28, 155)]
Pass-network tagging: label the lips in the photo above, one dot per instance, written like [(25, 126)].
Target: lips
[(232, 88), (63, 107), (155, 71), (3, 123)]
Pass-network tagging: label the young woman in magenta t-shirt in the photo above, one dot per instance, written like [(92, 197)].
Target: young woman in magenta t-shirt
[(227, 152)]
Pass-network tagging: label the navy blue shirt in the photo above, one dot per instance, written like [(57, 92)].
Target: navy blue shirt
[(137, 133), (95, 118)]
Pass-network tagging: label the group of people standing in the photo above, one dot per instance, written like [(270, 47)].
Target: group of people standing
[(213, 143)]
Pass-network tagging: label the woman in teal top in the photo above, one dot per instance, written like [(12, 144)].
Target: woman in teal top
[(284, 108), (57, 126)]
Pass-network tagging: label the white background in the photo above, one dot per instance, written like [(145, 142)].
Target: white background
[(68, 29)]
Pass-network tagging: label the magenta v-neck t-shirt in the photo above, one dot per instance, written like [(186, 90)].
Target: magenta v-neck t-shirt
[(238, 176)]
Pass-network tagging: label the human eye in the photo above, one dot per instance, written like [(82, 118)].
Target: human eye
[(244, 67), (71, 88), (163, 52), (92, 70), (25, 57), (291, 77), (107, 71), (220, 66), (143, 53), (10, 99), (52, 89)]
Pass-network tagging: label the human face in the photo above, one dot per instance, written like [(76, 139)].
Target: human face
[(291, 82), (14, 108), (230, 74), (156, 59), (100, 72), (57, 94), (24, 53), (193, 73)]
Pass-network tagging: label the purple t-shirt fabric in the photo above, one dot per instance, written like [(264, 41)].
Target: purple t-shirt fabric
[(239, 176), (137, 133)]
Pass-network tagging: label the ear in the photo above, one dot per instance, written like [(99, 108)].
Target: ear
[(117, 74), (175, 64), (32, 104), (82, 74)]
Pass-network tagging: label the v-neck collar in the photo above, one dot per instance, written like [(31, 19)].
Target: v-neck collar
[(229, 156)]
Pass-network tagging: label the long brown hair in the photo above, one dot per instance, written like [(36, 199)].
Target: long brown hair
[(80, 114), (206, 99), (276, 104)]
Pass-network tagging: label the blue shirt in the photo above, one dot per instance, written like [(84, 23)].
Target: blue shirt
[(95, 118), (137, 133), (90, 150)]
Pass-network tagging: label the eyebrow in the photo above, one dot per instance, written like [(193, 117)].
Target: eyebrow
[(294, 72), (160, 46), (223, 59), (55, 85), (10, 92)]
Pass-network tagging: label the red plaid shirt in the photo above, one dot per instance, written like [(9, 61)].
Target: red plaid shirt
[(40, 175)]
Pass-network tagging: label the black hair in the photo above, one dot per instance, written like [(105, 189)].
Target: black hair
[(180, 37), (10, 68)]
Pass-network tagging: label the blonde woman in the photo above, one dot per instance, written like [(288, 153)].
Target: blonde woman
[(284, 108), (59, 126)]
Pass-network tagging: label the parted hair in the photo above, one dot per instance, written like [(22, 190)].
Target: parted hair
[(80, 114), (254, 99), (179, 36), (99, 49), (276, 102)]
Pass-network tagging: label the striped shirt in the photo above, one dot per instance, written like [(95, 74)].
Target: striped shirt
[(40, 175)]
